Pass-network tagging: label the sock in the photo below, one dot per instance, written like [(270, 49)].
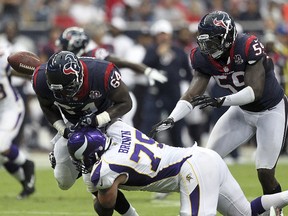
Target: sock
[(15, 170), (131, 212), (13, 153), (122, 205), (16, 156), (275, 190), (257, 207)]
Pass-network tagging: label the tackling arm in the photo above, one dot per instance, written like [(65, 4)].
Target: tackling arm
[(197, 87), (152, 74), (122, 101), (53, 115)]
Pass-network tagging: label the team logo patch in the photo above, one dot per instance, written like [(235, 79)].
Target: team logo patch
[(189, 177), (71, 67), (94, 94), (219, 23), (238, 59)]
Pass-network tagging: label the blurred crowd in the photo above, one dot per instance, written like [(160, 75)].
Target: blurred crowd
[(124, 28)]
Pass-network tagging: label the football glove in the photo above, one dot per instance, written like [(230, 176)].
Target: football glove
[(69, 131), (204, 101), (161, 126), (89, 120), (155, 75)]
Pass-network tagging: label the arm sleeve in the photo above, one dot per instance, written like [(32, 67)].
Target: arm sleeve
[(181, 109), (245, 96)]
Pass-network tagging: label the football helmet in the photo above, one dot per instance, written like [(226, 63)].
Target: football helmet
[(86, 146), (217, 32), (64, 74), (73, 39)]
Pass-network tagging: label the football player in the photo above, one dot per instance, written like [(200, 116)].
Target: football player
[(126, 158), (257, 102), (12, 112), (75, 39), (72, 90)]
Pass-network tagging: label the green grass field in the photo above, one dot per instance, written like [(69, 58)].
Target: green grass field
[(49, 200)]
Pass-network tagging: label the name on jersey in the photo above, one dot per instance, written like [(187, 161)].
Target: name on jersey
[(126, 142)]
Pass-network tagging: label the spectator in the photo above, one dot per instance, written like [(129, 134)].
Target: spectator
[(160, 99)]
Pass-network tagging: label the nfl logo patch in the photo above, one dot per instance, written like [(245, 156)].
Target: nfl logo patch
[(94, 94)]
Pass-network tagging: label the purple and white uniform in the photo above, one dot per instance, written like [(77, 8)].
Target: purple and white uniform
[(199, 174), (11, 104)]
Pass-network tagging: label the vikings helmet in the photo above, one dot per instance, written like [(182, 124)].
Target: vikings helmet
[(86, 146), (73, 39), (64, 74), (217, 32)]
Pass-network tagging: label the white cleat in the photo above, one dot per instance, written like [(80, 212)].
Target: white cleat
[(272, 211)]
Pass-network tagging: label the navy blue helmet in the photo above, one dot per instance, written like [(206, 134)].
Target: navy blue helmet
[(86, 146), (217, 32), (73, 39), (64, 74)]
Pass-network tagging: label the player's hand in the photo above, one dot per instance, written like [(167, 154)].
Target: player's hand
[(155, 75), (161, 126), (69, 131), (89, 120), (204, 101)]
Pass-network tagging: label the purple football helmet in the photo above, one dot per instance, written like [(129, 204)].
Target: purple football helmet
[(86, 146)]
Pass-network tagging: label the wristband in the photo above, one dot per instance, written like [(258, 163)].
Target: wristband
[(60, 126), (245, 96), (103, 118), (182, 108), (147, 71)]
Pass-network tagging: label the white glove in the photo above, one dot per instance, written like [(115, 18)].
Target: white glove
[(154, 75)]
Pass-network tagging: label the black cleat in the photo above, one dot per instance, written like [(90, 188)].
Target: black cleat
[(29, 182), (25, 193), (52, 159)]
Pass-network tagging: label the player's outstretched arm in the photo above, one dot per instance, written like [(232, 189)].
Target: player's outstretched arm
[(183, 107), (152, 74)]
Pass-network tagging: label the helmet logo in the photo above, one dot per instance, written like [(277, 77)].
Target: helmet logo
[(72, 66), (219, 23)]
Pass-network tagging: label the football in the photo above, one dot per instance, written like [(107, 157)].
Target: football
[(24, 62)]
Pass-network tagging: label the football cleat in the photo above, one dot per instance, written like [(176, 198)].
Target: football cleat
[(272, 211), (29, 182), (52, 159), (275, 212), (25, 193)]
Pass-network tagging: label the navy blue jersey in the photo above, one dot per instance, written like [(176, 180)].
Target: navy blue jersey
[(100, 77), (246, 50)]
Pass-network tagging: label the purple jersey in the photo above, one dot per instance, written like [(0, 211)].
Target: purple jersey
[(246, 50), (99, 78)]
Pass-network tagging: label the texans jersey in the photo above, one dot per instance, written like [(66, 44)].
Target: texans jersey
[(246, 50), (149, 165), (98, 53), (100, 77)]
